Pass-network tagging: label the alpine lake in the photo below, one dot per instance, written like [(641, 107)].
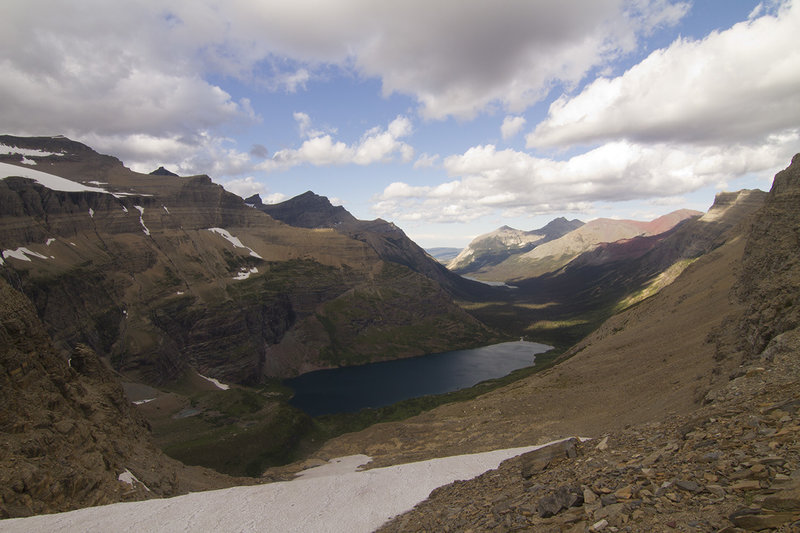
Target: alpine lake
[(350, 389)]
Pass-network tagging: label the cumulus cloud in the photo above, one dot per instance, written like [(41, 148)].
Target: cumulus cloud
[(320, 149), (116, 76), (738, 85), (511, 126), (488, 180), (426, 161), (508, 53), (199, 153)]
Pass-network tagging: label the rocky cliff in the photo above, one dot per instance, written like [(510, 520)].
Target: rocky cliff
[(69, 437), (770, 279)]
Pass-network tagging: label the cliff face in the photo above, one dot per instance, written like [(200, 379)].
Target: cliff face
[(165, 274), (68, 436), (770, 280)]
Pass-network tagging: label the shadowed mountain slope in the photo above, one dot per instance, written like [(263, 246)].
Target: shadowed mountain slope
[(310, 210)]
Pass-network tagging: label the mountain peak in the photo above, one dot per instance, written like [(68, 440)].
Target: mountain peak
[(308, 210), (161, 171)]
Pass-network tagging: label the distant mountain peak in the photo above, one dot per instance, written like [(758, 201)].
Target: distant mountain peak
[(161, 171), (254, 200)]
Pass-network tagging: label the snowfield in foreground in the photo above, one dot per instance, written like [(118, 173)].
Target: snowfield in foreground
[(330, 498)]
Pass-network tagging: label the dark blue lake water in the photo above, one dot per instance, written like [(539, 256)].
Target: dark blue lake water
[(349, 389)]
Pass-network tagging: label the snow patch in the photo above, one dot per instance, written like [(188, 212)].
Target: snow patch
[(233, 240), (216, 382), (22, 254), (50, 241), (165, 209), (124, 209), (130, 479), (142, 402), (179, 293), (26, 161), (345, 501), (244, 273), (141, 219), (91, 212)]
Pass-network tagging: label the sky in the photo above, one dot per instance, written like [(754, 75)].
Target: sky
[(448, 118)]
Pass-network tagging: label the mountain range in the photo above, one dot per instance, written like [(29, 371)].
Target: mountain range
[(118, 285)]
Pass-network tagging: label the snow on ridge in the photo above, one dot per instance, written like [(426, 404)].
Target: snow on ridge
[(332, 501), (44, 179), (5, 149), (233, 240), (56, 183), (216, 382)]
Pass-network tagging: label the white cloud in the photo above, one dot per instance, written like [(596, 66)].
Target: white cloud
[(738, 85), (491, 181), (320, 149), (244, 187), (511, 126), (152, 58), (200, 153), (426, 161)]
